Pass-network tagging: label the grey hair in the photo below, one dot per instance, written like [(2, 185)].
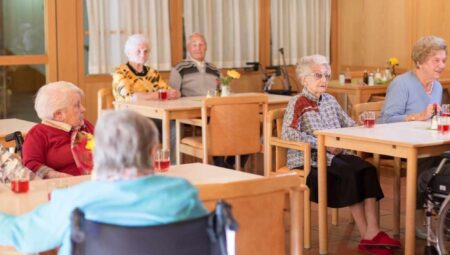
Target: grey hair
[(425, 47), (304, 65), (123, 142), (189, 39), (53, 97), (132, 43)]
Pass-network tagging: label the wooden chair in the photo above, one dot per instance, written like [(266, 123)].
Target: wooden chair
[(274, 143), (230, 127), (259, 208), (105, 100), (394, 163)]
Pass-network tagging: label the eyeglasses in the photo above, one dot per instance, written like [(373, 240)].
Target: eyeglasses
[(319, 76)]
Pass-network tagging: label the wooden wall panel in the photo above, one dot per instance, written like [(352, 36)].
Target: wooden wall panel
[(433, 19), (372, 31), (369, 32)]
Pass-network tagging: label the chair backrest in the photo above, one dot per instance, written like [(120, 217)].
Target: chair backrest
[(259, 208), (201, 236), (105, 99), (357, 109), (274, 143), (232, 125)]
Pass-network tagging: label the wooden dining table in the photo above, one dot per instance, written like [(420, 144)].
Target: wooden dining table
[(8, 126), (184, 108), (409, 140), (196, 173), (38, 194)]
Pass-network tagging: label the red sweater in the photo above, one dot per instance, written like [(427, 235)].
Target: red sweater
[(50, 146)]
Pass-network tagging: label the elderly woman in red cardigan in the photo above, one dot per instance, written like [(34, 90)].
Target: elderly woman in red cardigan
[(57, 147)]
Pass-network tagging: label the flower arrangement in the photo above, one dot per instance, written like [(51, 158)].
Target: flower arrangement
[(90, 143), (231, 75), (82, 144), (393, 62)]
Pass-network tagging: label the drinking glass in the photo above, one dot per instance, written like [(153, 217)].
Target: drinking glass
[(210, 93), (163, 94), (445, 110), (443, 121), (20, 182), (161, 160), (368, 119)]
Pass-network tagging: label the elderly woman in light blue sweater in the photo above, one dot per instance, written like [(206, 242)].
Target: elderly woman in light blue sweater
[(411, 96)]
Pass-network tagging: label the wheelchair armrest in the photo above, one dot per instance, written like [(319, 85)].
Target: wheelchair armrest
[(446, 155)]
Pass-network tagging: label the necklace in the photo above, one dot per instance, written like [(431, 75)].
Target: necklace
[(429, 88)]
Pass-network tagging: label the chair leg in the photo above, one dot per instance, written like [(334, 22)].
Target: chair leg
[(334, 216), (178, 138), (237, 164), (307, 220), (396, 191), (376, 162)]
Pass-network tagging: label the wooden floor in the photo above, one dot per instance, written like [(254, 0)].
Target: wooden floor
[(344, 238)]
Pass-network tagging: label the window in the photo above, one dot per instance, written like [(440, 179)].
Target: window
[(229, 26), (301, 28), (109, 24)]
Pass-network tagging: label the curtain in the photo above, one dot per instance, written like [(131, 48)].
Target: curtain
[(231, 29), (301, 28), (112, 21)]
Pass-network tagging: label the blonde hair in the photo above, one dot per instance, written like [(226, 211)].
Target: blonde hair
[(426, 47)]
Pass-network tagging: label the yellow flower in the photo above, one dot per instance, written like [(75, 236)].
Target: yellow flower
[(393, 61), (231, 74), (90, 144)]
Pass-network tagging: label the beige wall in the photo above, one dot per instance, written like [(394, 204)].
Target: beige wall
[(369, 32)]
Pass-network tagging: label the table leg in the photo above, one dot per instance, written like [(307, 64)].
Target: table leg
[(323, 202), (411, 186), (166, 131)]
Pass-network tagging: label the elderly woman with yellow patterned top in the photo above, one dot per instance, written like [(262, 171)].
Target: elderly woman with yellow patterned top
[(135, 80)]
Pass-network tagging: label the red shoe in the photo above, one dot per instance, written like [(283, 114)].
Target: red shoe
[(381, 240), (374, 250)]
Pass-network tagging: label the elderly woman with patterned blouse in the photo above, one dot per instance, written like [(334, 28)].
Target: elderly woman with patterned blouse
[(351, 181), (135, 80)]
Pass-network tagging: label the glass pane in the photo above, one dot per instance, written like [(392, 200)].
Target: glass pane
[(22, 27), (18, 86)]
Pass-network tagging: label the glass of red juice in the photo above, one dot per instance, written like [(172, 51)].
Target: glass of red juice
[(443, 123), (20, 184), (163, 94), (368, 119), (161, 160)]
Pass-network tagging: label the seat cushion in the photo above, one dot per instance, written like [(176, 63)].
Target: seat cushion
[(194, 141)]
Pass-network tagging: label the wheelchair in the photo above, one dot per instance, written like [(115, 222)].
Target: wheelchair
[(438, 204)]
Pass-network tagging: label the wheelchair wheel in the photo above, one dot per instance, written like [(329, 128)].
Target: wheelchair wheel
[(443, 227)]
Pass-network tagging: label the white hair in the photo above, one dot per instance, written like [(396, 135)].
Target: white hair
[(53, 97), (132, 43), (189, 39), (123, 142), (304, 65)]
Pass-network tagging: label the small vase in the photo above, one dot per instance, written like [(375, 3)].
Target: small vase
[(225, 90)]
